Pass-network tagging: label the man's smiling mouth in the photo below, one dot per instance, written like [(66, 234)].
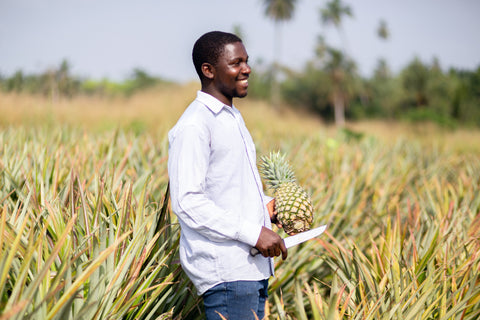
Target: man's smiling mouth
[(243, 82)]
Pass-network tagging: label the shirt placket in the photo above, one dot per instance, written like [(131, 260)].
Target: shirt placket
[(252, 162), (253, 165)]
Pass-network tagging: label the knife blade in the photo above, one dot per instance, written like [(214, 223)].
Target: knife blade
[(297, 239)]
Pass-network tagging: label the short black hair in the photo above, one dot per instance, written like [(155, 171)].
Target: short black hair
[(209, 47)]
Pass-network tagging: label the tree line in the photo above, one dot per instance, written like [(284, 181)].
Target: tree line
[(59, 82), (330, 85), (419, 92)]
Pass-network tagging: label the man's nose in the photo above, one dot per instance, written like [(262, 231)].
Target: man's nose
[(246, 69)]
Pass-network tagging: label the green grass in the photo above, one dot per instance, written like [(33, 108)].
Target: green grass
[(85, 232)]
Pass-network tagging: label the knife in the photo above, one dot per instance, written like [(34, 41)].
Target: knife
[(297, 239)]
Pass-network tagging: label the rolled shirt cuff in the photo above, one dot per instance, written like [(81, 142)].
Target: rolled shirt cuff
[(267, 199), (249, 233)]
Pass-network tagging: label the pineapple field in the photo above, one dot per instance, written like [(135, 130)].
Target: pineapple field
[(86, 231)]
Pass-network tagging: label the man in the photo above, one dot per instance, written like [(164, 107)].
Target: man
[(216, 190)]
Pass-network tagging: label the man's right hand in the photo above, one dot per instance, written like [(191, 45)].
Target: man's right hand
[(271, 244)]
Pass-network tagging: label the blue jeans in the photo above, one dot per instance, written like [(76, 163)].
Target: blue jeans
[(237, 300)]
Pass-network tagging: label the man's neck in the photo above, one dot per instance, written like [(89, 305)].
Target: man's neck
[(215, 93)]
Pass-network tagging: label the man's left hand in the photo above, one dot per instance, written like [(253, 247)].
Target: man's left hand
[(273, 213)]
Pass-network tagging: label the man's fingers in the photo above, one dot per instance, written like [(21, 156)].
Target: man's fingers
[(273, 252), (277, 252), (270, 244), (284, 250)]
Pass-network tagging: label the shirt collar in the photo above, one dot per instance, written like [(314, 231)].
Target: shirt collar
[(211, 102)]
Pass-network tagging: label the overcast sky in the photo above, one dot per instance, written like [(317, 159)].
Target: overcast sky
[(109, 38)]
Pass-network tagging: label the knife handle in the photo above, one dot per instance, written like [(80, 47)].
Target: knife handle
[(254, 251)]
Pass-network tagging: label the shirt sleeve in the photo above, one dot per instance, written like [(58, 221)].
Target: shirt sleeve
[(266, 199), (189, 153)]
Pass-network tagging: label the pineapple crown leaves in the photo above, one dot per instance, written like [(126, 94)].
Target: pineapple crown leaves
[(276, 170)]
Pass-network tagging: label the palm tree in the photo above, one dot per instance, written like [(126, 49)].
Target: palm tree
[(341, 70), (384, 34), (382, 30), (332, 14), (279, 11)]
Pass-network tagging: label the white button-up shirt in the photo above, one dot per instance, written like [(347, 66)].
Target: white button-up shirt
[(217, 195)]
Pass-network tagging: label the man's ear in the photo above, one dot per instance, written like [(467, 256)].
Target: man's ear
[(208, 70)]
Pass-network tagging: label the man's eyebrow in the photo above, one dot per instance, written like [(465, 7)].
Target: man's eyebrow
[(239, 58)]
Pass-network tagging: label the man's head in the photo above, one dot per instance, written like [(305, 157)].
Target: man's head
[(209, 47), (221, 62)]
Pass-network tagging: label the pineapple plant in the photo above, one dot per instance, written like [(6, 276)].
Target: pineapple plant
[(293, 204)]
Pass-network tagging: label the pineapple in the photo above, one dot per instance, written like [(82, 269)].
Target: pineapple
[(292, 203)]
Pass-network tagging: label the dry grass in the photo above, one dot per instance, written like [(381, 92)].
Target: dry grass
[(459, 140), (150, 109), (158, 109)]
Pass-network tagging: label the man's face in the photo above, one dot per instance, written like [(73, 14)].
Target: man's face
[(232, 72)]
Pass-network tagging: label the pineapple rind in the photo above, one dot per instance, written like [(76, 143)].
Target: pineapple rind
[(294, 208), (292, 203)]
